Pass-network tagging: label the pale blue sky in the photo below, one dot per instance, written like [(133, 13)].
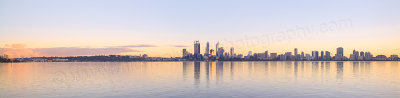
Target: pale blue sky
[(101, 23)]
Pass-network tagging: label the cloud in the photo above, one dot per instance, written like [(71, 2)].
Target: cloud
[(76, 51), (180, 46), (132, 46), (18, 46), (19, 51)]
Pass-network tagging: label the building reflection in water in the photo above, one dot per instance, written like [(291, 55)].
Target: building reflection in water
[(339, 70), (315, 69), (218, 72), (196, 73), (276, 77), (250, 67), (296, 64), (208, 70), (327, 68), (356, 68), (361, 68), (184, 70), (232, 65)]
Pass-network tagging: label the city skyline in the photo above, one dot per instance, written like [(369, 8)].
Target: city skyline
[(41, 28), (324, 55), (199, 48)]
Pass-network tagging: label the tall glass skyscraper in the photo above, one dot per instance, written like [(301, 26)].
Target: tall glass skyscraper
[(207, 49), (339, 54), (196, 48), (216, 48), (232, 51)]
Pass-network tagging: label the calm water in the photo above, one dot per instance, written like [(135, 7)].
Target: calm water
[(200, 79)]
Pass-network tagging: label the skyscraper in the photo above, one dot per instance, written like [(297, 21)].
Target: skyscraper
[(196, 48), (207, 49), (184, 53), (315, 55), (216, 48), (356, 54), (266, 54), (322, 56), (232, 51), (362, 53), (221, 52), (211, 51), (327, 55), (274, 56), (295, 51), (339, 54)]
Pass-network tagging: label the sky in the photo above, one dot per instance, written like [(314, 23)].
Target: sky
[(163, 28)]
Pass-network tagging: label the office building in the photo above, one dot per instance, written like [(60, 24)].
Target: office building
[(207, 51), (315, 55), (328, 56), (216, 48), (184, 53), (274, 56), (322, 56), (339, 54), (232, 51), (196, 48)]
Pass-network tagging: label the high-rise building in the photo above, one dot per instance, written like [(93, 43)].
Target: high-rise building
[(362, 56), (266, 54), (196, 48), (394, 57), (232, 51), (361, 53), (274, 56), (282, 57), (368, 56), (302, 56), (315, 55), (221, 52), (322, 56), (328, 55), (339, 54), (308, 57), (295, 51), (357, 55), (216, 48), (288, 56), (212, 51), (207, 49), (184, 52)]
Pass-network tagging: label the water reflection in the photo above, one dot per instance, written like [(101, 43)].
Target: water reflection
[(339, 70), (194, 79), (219, 71), (197, 73)]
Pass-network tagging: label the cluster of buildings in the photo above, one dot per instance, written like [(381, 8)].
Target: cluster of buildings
[(210, 54), (220, 54)]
